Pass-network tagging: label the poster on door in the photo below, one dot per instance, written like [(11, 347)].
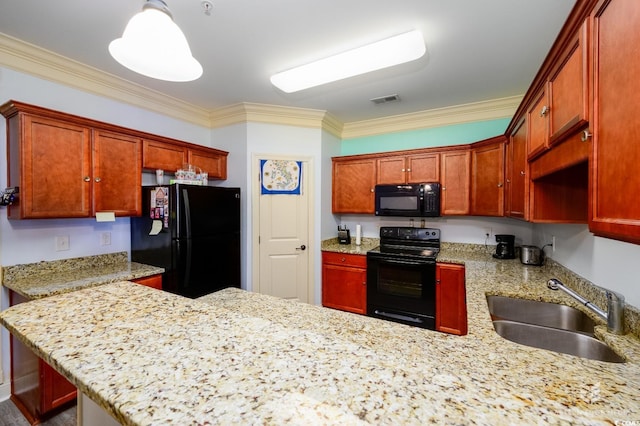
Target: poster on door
[(280, 177)]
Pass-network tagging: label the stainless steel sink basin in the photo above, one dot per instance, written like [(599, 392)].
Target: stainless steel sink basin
[(539, 313), (556, 340)]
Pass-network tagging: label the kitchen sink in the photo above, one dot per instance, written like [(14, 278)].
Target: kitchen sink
[(550, 326), (539, 313), (557, 340)]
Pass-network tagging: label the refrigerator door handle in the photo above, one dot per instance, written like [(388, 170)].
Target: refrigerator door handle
[(187, 221)]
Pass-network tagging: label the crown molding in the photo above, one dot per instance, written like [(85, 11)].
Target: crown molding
[(466, 113), (273, 114), (30, 59)]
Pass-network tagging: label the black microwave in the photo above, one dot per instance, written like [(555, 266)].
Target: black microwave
[(416, 200)]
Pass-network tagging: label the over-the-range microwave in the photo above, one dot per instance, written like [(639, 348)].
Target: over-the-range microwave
[(416, 200)]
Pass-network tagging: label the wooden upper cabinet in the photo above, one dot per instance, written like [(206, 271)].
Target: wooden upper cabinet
[(517, 181), (615, 184), (354, 183), (117, 173), (455, 181), (212, 161), (487, 178), (416, 168), (568, 89), (50, 161), (163, 155), (538, 141), (423, 168)]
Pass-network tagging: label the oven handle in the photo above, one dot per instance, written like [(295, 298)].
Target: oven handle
[(398, 316), (406, 262)]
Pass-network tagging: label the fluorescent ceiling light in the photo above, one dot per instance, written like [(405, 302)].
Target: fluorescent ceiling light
[(153, 45), (382, 54)]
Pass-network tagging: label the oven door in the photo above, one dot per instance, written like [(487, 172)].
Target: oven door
[(401, 289)]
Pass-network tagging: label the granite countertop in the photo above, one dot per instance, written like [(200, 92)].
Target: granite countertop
[(150, 357), (44, 279)]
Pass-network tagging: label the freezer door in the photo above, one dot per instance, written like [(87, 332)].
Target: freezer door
[(205, 265), (204, 211)]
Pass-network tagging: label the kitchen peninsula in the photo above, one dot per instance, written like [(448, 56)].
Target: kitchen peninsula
[(150, 357)]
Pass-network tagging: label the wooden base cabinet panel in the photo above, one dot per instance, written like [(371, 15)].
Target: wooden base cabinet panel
[(451, 299), (154, 281), (37, 389), (344, 282)]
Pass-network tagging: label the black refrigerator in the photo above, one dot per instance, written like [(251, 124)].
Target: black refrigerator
[(193, 232)]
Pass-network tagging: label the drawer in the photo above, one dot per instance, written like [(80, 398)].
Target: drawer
[(355, 260)]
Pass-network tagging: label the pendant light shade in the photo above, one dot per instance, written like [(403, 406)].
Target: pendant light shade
[(153, 45)]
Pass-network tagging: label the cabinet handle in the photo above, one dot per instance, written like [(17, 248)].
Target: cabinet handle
[(544, 111), (499, 185), (408, 170), (444, 188), (403, 170), (585, 135), (343, 259), (521, 172), (508, 180), (98, 179), (372, 190), (87, 179), (364, 283)]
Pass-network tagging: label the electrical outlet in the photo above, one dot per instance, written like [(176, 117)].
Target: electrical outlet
[(62, 243), (553, 243), (105, 239)]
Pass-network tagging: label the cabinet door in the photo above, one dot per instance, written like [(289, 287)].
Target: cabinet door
[(162, 155), (154, 281), (455, 181), (615, 184), (538, 141), (451, 299), (344, 282), (215, 164), (54, 170), (56, 389), (391, 170), (353, 186), (117, 174), (423, 168), (487, 180), (517, 179), (568, 90)]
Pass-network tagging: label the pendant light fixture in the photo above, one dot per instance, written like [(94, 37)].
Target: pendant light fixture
[(382, 54), (153, 45)]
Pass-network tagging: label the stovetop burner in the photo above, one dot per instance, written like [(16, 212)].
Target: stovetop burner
[(410, 242)]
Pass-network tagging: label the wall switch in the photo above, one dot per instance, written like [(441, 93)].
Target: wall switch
[(105, 239), (62, 243)]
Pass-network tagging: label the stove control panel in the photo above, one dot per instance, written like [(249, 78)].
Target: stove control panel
[(408, 233)]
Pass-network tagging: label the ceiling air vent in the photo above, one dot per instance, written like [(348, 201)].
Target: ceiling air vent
[(386, 99)]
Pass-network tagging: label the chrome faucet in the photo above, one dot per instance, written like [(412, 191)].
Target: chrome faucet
[(615, 306)]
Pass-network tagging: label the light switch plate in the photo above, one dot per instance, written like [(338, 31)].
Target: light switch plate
[(62, 243)]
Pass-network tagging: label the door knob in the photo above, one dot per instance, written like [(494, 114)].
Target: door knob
[(302, 247)]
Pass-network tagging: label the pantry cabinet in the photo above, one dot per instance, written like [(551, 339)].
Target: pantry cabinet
[(455, 182), (613, 209), (344, 282), (487, 177), (354, 181), (451, 299)]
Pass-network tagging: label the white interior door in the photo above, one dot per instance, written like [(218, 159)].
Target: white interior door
[(284, 242)]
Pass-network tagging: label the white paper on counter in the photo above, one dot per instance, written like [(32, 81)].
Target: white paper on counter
[(156, 227)]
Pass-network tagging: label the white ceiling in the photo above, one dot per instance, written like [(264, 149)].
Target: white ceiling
[(477, 49)]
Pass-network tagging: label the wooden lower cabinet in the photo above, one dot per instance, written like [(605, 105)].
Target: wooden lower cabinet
[(451, 299), (344, 282), (37, 389), (153, 281)]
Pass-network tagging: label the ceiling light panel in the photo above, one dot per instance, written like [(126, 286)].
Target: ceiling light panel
[(382, 54)]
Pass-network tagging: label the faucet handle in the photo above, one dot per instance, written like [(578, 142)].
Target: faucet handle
[(615, 312)]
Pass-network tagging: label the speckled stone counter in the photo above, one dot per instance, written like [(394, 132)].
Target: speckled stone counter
[(233, 357), (44, 279), (366, 244)]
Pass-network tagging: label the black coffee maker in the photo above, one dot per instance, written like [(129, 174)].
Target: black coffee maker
[(506, 246)]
